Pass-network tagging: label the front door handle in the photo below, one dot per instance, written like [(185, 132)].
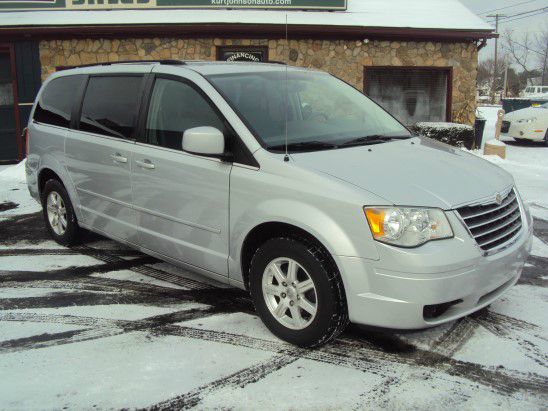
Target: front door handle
[(145, 164), (118, 158)]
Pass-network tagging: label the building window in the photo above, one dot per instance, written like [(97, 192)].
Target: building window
[(242, 53), (411, 94)]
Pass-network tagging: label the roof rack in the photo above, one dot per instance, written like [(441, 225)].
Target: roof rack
[(110, 63)]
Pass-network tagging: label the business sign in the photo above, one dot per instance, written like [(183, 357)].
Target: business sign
[(245, 53), (22, 5)]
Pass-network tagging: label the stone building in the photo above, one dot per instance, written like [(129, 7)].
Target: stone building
[(418, 59)]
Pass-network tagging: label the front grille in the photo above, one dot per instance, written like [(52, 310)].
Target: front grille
[(493, 225), (505, 127)]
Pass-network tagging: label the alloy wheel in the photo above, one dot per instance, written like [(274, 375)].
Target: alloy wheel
[(57, 213), (289, 293)]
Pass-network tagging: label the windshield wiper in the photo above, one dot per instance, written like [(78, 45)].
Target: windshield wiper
[(372, 139), (304, 146)]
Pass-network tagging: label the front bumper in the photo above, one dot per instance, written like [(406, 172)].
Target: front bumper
[(525, 131), (392, 292)]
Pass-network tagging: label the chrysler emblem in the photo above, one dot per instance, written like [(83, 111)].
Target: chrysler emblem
[(498, 199)]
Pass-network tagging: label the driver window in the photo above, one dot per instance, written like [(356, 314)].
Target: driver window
[(174, 108)]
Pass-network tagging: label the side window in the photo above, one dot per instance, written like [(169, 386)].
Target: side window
[(110, 105), (175, 107), (56, 101)]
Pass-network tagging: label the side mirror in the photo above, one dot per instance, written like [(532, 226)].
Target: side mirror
[(205, 141)]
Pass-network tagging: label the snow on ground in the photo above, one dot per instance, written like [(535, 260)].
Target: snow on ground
[(100, 326), (14, 192)]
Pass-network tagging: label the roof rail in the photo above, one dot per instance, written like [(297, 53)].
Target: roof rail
[(110, 63)]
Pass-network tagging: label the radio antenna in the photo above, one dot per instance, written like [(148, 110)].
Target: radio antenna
[(286, 157)]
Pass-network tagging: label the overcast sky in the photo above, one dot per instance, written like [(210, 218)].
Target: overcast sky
[(520, 24)]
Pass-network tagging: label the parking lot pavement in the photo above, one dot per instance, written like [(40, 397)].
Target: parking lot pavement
[(102, 326)]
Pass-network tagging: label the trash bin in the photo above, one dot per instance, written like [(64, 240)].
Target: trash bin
[(479, 126)]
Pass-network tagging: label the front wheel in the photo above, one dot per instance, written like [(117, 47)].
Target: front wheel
[(297, 291)]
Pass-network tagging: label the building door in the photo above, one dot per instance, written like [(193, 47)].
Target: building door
[(9, 150)]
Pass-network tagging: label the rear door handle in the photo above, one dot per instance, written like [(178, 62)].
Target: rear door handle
[(145, 164), (118, 158)]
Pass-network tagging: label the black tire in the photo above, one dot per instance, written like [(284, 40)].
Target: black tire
[(546, 139), (332, 313), (72, 232)]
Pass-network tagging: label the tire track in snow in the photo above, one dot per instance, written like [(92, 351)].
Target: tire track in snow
[(456, 337), (9, 252), (239, 379), (68, 273), (146, 270), (340, 353), (508, 328), (103, 328)]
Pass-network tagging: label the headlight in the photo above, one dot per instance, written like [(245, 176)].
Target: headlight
[(407, 227), (527, 120)]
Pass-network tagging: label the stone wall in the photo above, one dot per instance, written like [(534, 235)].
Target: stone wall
[(343, 58)]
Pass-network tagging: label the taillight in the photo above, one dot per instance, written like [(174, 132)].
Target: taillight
[(27, 141)]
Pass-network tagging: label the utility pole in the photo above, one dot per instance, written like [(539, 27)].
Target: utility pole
[(494, 86), (505, 90)]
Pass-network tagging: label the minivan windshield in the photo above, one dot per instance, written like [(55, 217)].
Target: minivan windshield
[(323, 112)]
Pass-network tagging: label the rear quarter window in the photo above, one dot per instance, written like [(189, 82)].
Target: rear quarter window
[(56, 101), (110, 105)]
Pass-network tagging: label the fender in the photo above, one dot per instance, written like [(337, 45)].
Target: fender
[(324, 227), (49, 161)]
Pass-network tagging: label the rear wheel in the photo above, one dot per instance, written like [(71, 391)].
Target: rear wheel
[(546, 139), (59, 214), (298, 292)]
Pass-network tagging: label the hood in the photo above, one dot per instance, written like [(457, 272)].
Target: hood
[(417, 172), (524, 113)]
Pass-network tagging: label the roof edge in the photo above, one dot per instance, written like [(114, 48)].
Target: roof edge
[(239, 30)]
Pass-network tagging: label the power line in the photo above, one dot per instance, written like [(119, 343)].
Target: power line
[(524, 17), (507, 7), (527, 12), (505, 18)]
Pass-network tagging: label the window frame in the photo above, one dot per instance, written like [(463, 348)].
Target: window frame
[(244, 157), (446, 69), (77, 110)]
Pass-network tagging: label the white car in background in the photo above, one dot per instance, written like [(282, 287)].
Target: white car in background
[(528, 124)]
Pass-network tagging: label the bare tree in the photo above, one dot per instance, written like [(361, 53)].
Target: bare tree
[(529, 52), (541, 43)]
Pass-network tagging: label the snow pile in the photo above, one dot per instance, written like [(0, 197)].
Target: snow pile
[(14, 194), (443, 126), (495, 142), (454, 134), (489, 113), (14, 173)]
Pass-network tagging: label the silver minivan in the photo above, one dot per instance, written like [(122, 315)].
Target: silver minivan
[(283, 181)]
